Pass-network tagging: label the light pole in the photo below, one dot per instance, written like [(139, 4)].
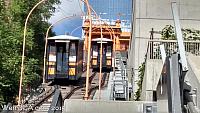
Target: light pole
[(24, 43), (46, 42)]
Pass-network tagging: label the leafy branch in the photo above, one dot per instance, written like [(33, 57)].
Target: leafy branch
[(188, 34), (139, 82)]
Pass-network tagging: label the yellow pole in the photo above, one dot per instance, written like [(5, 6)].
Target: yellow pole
[(46, 42), (24, 42), (89, 47), (100, 72)]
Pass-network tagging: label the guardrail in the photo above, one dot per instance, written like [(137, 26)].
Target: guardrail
[(120, 81), (171, 46), (122, 65)]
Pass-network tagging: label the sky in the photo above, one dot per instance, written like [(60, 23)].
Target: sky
[(67, 8)]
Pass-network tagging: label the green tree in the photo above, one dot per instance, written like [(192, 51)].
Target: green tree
[(188, 34), (12, 18), (140, 80)]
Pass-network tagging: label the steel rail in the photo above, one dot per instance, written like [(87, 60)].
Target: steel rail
[(41, 99), (97, 86), (68, 95)]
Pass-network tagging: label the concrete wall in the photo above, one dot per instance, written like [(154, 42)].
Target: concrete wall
[(151, 78), (90, 106), (157, 14), (151, 81), (193, 75)]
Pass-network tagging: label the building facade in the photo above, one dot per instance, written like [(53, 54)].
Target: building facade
[(112, 10)]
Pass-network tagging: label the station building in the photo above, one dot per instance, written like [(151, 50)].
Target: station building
[(117, 14)]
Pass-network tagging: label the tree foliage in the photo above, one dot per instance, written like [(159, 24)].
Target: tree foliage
[(12, 20), (188, 34), (140, 80)]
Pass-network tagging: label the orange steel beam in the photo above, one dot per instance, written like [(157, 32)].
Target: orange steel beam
[(89, 46), (114, 47), (125, 39), (100, 66), (100, 74), (104, 32), (111, 33)]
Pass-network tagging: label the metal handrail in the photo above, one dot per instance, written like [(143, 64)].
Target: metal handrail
[(171, 46), (56, 105), (186, 41), (190, 103)]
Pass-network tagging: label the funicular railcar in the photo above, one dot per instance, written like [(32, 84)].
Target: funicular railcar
[(64, 58), (107, 46)]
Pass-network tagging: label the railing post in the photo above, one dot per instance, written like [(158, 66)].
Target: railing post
[(151, 44)]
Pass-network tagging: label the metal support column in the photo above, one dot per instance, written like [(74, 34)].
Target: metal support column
[(181, 48)]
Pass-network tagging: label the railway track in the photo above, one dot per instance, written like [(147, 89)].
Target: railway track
[(95, 86), (78, 92), (32, 105), (42, 103)]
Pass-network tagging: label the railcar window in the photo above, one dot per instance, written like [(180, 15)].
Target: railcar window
[(108, 48), (73, 49), (95, 50), (52, 53), (59, 59), (52, 49), (67, 47), (51, 59), (108, 51), (104, 50)]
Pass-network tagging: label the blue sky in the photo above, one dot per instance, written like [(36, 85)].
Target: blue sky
[(67, 8)]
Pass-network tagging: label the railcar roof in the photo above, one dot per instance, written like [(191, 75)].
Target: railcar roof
[(103, 39), (64, 37)]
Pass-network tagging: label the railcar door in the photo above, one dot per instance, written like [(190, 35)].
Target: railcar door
[(62, 59), (103, 55)]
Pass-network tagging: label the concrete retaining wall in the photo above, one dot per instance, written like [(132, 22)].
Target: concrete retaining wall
[(81, 106)]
